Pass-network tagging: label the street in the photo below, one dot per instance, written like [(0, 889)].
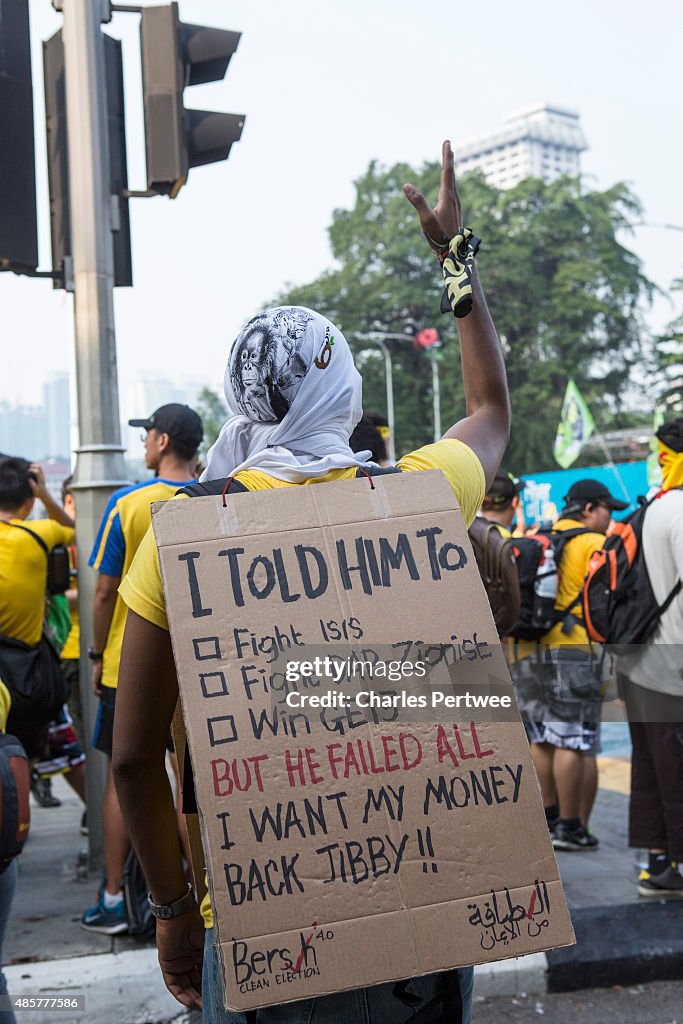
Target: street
[(658, 1003)]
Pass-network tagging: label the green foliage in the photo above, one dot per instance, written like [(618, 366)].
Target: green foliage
[(668, 363), (213, 412), (566, 297)]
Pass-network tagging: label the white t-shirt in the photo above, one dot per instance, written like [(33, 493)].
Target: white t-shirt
[(659, 665)]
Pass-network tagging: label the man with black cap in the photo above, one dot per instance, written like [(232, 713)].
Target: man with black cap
[(501, 504), (653, 686), (173, 434), (565, 742)]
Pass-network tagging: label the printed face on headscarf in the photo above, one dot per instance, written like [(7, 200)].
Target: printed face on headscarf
[(268, 363), (295, 396)]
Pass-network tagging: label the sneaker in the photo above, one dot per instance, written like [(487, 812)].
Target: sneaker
[(84, 823), (42, 791), (573, 838), (667, 885), (106, 920)]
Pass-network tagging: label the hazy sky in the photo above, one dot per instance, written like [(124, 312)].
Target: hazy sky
[(326, 88)]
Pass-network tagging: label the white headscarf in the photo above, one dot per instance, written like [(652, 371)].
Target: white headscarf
[(296, 397)]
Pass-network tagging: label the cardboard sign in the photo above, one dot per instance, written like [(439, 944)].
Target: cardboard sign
[(348, 846)]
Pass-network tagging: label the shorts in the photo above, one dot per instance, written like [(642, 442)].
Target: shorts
[(103, 737), (559, 698), (582, 736), (64, 752)]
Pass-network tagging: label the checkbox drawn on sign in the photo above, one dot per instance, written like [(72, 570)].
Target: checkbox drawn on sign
[(221, 730)]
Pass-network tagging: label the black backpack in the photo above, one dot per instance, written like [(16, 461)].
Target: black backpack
[(141, 921), (58, 569), (619, 606), (538, 614), (15, 814)]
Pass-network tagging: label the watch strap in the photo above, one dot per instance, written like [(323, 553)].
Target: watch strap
[(165, 911)]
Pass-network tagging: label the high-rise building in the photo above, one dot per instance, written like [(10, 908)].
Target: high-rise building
[(23, 431), (541, 141), (58, 413)]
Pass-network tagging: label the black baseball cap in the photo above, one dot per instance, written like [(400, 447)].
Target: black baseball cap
[(585, 491), (181, 423), (504, 487)]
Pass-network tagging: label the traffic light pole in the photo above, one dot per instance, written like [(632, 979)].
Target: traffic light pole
[(100, 467)]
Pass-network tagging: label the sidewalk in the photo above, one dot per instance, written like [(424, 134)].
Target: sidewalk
[(620, 939)]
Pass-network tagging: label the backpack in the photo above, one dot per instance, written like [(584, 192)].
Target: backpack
[(495, 557), (15, 815), (141, 921), (37, 685), (537, 614), (58, 569), (619, 606)]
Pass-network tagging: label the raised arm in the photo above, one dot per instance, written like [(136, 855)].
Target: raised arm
[(486, 428), (36, 479)]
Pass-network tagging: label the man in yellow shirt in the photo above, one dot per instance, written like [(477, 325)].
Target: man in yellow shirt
[(564, 729), (173, 435), (296, 401), (502, 504), (24, 548)]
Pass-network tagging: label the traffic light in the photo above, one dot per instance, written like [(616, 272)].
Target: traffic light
[(18, 221), (58, 163), (175, 55)]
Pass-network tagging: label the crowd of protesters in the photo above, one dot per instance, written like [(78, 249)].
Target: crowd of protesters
[(291, 425)]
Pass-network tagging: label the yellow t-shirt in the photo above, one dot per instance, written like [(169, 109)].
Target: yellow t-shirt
[(72, 647), (5, 704), (23, 575), (126, 521), (142, 589), (573, 569)]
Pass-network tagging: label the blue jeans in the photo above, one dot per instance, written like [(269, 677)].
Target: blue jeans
[(8, 883), (376, 1005)]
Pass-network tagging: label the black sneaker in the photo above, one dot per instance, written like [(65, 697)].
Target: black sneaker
[(667, 885), (42, 791), (571, 839)]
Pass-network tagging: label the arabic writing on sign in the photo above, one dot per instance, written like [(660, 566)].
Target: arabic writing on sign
[(502, 921)]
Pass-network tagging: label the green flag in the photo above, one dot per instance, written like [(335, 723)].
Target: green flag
[(575, 427)]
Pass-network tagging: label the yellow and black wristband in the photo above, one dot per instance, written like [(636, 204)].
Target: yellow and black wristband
[(457, 263)]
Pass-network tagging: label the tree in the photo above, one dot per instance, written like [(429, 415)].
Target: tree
[(566, 296), (213, 412), (668, 364)]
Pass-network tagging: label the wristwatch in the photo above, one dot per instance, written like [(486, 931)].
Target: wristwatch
[(166, 911), (95, 655)]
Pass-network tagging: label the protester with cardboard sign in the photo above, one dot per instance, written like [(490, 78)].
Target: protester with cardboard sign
[(296, 396)]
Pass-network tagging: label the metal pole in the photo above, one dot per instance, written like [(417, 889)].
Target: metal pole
[(389, 373), (436, 397), (99, 464)]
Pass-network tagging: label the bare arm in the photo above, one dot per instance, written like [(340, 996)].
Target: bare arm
[(104, 602), (486, 429), (146, 699), (40, 491)]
